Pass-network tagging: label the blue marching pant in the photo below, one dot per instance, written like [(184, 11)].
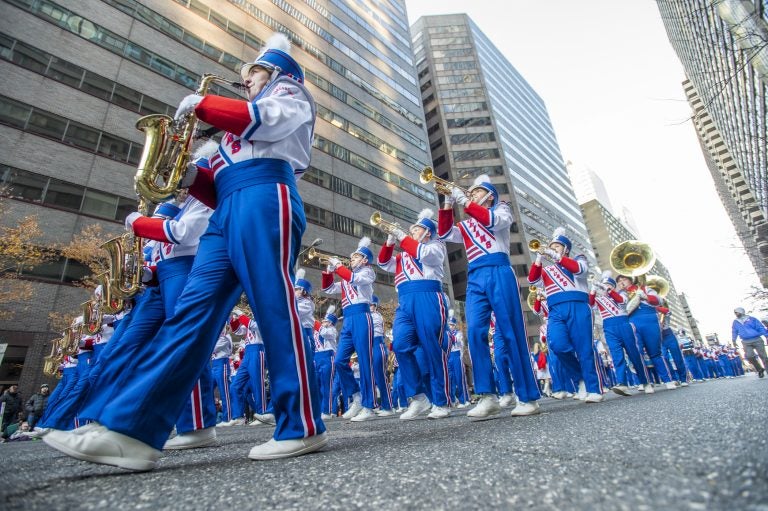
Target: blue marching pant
[(561, 382), (325, 373), (200, 410), (503, 361), (65, 416), (248, 385), (356, 336), (251, 245), (671, 347), (239, 389), (421, 322), (426, 378), (648, 335), (620, 337), (693, 366), (380, 372), (569, 332), (337, 393), (60, 393), (399, 390), (220, 373), (725, 365), (457, 378), (494, 288)]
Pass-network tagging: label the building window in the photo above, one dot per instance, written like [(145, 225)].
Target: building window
[(469, 122), (476, 154), (473, 138)]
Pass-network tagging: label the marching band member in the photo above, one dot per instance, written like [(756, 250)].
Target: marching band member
[(69, 377), (252, 182), (569, 328), (303, 291), (380, 360), (502, 364), (220, 373), (562, 387), (325, 352), (670, 346), (689, 354), (356, 288), (751, 332), (421, 316), (619, 334), (491, 286), (457, 378), (646, 325)]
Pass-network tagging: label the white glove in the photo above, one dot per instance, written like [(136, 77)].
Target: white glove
[(130, 219), (334, 263), (187, 105), (146, 275), (641, 294), (552, 254), (189, 176), (459, 196), (594, 289), (391, 240), (399, 234), (330, 269), (538, 259), (449, 201)]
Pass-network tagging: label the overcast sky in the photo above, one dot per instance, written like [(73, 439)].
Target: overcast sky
[(612, 84)]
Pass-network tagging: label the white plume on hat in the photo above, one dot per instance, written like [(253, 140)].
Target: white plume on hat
[(205, 150), (426, 213), (331, 309), (607, 274), (482, 178), (300, 273), (365, 241), (450, 313), (278, 41), (560, 231)]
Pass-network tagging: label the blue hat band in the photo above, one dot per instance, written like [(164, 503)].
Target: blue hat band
[(278, 58), (304, 284), (563, 241), (365, 252), (429, 225), (332, 318), (609, 281)]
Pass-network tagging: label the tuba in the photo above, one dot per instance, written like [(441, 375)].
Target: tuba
[(634, 259), (125, 261), (324, 258), (658, 284), (442, 186), (92, 315), (383, 225), (52, 361)]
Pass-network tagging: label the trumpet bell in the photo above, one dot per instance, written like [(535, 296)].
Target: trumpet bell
[(632, 258), (658, 284), (531, 299), (534, 245)]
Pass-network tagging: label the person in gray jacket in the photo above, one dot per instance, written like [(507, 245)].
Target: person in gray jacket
[(751, 332), (36, 404)]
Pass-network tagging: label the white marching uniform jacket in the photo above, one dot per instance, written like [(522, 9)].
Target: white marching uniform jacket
[(306, 311), (378, 324), (223, 348), (417, 261), (610, 305), (485, 232), (355, 286), (328, 338), (456, 340), (247, 329), (178, 236)]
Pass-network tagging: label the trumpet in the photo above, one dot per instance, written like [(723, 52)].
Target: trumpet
[(384, 225), (324, 258), (442, 186)]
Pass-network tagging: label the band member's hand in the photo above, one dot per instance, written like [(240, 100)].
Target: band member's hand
[(334, 263), (552, 254), (641, 294), (399, 234), (189, 176), (459, 196), (538, 259), (130, 219), (449, 202), (146, 274), (391, 240), (593, 289), (187, 105)]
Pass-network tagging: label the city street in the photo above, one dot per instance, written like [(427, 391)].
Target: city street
[(702, 447)]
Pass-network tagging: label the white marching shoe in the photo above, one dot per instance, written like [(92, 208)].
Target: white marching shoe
[(684, 384), (648, 388), (560, 394), (418, 405), (192, 440), (385, 413), (276, 449), (463, 405), (439, 412), (581, 394), (522, 409), (593, 397), (486, 408), (670, 385), (354, 408), (365, 414), (326, 416), (621, 390), (265, 418), (100, 445), (507, 400)]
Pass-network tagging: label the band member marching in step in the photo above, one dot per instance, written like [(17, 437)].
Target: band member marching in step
[(670, 346), (619, 333), (569, 328), (221, 373), (380, 357), (457, 378), (491, 286), (356, 288), (421, 318), (325, 353)]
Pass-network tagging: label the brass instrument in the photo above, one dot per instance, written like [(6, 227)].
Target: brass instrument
[(385, 226), (658, 284), (125, 262), (71, 340), (442, 186), (92, 315), (108, 303), (634, 259), (533, 293), (536, 247), (325, 258), (52, 361)]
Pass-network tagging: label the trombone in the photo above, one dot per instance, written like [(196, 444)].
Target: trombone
[(442, 186), (384, 225), (324, 258)]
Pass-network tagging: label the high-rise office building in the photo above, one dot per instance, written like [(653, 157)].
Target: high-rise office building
[(605, 232), (76, 75), (484, 118), (722, 48)]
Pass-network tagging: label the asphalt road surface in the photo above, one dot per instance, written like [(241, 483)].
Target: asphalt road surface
[(701, 447)]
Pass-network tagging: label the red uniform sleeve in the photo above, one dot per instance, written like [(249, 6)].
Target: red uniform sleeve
[(537, 305), (327, 280), (234, 324), (591, 298), (662, 310), (616, 296), (569, 264), (535, 273), (479, 213), (232, 115), (150, 228), (653, 300), (203, 189), (444, 221), (385, 254), (411, 246), (345, 273)]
